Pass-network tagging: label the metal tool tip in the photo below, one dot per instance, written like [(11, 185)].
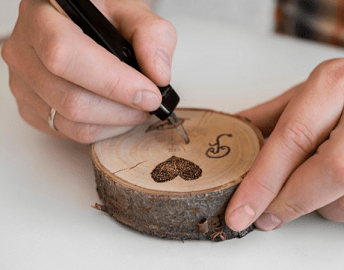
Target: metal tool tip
[(174, 120)]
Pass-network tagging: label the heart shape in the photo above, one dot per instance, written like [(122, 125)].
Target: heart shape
[(174, 166)]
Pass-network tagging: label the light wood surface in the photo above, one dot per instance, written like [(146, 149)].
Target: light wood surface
[(152, 160), (131, 158)]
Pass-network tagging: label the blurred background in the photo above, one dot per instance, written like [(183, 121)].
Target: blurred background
[(8, 16), (254, 15)]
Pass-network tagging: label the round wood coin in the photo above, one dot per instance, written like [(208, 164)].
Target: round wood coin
[(152, 181)]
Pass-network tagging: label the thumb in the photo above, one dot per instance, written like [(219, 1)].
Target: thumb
[(153, 38), (265, 116)]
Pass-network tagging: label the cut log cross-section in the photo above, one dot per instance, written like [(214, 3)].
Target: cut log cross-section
[(152, 181)]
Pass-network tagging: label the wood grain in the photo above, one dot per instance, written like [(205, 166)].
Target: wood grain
[(150, 180)]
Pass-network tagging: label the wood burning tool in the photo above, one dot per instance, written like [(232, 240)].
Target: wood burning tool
[(96, 26)]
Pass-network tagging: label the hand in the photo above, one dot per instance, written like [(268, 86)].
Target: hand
[(301, 167), (53, 64)]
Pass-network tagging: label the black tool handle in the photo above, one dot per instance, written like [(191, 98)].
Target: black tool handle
[(96, 26)]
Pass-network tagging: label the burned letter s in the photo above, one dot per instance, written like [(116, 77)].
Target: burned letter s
[(217, 150)]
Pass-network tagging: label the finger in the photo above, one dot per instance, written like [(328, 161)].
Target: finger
[(87, 133), (154, 39), (304, 124), (73, 102), (35, 111), (265, 116), (83, 62), (31, 107), (26, 96), (316, 183), (333, 211), (80, 132), (309, 188), (68, 53), (29, 114)]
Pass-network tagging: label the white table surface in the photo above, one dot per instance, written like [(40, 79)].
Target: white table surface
[(8, 16), (47, 185)]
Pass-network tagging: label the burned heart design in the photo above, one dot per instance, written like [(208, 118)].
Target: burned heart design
[(174, 166)]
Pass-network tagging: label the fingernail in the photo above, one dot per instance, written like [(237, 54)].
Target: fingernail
[(163, 63), (146, 100), (241, 218), (267, 222)]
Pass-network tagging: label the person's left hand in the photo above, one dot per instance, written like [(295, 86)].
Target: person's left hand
[(301, 167)]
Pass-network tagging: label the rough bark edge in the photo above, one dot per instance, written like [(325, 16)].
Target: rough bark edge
[(171, 216)]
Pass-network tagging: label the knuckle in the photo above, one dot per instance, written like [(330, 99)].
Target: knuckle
[(56, 55), (333, 211), (266, 186), (113, 86), (297, 136), (294, 208), (139, 118), (72, 106), (85, 134), (23, 7), (134, 119), (333, 72), (336, 169), (17, 91), (7, 52)]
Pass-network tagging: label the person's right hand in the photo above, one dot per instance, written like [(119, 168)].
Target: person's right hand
[(53, 64)]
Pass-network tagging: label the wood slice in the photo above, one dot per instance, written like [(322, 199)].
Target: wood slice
[(152, 181)]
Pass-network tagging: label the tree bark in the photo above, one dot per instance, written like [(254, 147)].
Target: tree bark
[(152, 181)]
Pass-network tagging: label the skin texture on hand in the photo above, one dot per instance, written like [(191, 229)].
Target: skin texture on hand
[(53, 64), (300, 169)]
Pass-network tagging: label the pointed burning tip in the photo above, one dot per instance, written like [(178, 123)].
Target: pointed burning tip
[(173, 120)]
